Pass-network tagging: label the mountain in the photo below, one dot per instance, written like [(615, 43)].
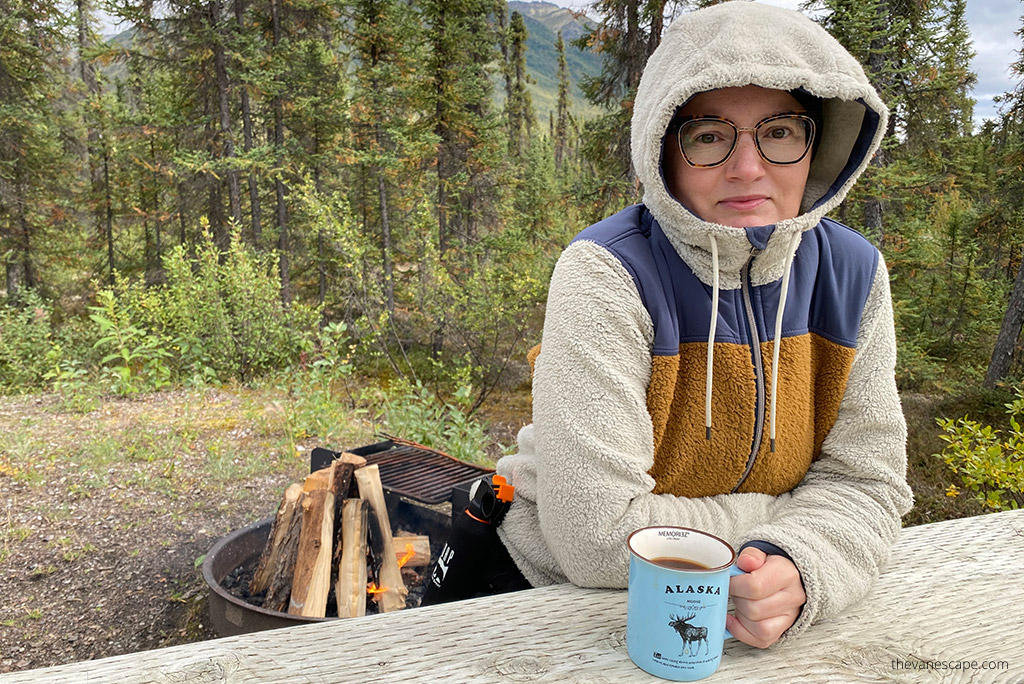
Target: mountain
[(554, 18), (543, 21)]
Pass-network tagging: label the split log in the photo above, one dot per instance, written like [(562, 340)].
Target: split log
[(320, 479), (312, 579), (350, 589), (270, 557), (391, 593), (279, 586), (420, 550), (341, 485)]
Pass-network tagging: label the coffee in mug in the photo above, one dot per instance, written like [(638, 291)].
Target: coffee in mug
[(678, 563)]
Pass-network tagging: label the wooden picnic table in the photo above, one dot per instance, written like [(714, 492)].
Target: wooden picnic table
[(948, 609)]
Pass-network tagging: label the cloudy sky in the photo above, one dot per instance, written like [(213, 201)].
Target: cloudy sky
[(992, 24)]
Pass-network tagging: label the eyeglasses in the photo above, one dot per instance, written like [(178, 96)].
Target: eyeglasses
[(710, 140)]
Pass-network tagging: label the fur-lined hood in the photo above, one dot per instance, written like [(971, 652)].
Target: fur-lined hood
[(780, 49)]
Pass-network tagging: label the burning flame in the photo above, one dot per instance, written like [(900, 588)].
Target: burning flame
[(372, 587)]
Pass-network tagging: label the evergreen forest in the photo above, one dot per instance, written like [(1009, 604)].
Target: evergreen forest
[(347, 196)]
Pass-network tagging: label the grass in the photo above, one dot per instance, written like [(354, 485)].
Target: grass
[(225, 462), (19, 622), (69, 550), (11, 534), (161, 446), (20, 460), (40, 571)]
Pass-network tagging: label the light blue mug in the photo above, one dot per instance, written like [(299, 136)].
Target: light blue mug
[(675, 619)]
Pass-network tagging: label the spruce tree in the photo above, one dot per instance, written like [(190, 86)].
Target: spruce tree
[(875, 33), (462, 45), (561, 128), (387, 147), (33, 39), (628, 34), (519, 106)]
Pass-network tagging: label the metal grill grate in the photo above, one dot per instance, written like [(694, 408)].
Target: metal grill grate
[(411, 471)]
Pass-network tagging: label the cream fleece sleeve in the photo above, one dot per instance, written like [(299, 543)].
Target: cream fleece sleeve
[(592, 437), (840, 522)]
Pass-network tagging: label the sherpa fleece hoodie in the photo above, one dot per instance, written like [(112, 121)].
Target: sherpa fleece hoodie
[(619, 438)]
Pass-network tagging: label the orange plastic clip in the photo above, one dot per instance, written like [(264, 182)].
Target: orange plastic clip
[(504, 491)]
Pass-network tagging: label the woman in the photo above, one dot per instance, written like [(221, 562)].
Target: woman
[(721, 356)]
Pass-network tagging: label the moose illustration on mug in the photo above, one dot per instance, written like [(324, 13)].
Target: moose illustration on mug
[(689, 633)]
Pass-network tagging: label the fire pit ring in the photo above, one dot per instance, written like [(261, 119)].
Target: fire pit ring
[(229, 614)]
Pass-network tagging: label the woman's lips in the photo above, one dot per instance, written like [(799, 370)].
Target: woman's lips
[(744, 203)]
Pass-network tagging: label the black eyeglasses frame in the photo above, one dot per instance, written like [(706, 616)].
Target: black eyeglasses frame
[(676, 129)]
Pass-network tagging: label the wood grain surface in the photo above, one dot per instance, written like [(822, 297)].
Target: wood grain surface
[(952, 593)]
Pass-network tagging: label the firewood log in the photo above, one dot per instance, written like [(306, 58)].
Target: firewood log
[(341, 485), (350, 589), (391, 593), (272, 551), (420, 549), (279, 585), (320, 479), (311, 582)]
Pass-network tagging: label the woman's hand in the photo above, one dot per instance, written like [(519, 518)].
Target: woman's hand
[(767, 599)]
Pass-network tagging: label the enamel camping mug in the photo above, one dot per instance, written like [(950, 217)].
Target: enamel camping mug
[(678, 594)]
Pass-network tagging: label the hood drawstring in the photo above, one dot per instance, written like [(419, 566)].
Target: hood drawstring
[(790, 255), (783, 296), (711, 338)]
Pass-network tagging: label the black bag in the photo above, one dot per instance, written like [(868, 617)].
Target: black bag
[(473, 561)]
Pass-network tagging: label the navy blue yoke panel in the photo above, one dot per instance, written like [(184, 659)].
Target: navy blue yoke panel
[(831, 277)]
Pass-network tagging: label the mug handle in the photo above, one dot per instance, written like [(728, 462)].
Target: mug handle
[(733, 571)]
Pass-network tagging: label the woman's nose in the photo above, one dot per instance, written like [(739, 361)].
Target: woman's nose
[(746, 162)]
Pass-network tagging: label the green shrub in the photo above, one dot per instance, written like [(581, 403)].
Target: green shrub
[(136, 359), (411, 411), (319, 400), (70, 380), (222, 313), (990, 466), (25, 338)]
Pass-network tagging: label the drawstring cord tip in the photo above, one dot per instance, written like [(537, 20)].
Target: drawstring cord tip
[(707, 433), (773, 446)]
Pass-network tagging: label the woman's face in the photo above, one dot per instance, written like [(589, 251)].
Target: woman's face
[(746, 190)]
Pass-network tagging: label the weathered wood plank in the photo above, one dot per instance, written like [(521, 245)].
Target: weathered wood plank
[(952, 593)]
